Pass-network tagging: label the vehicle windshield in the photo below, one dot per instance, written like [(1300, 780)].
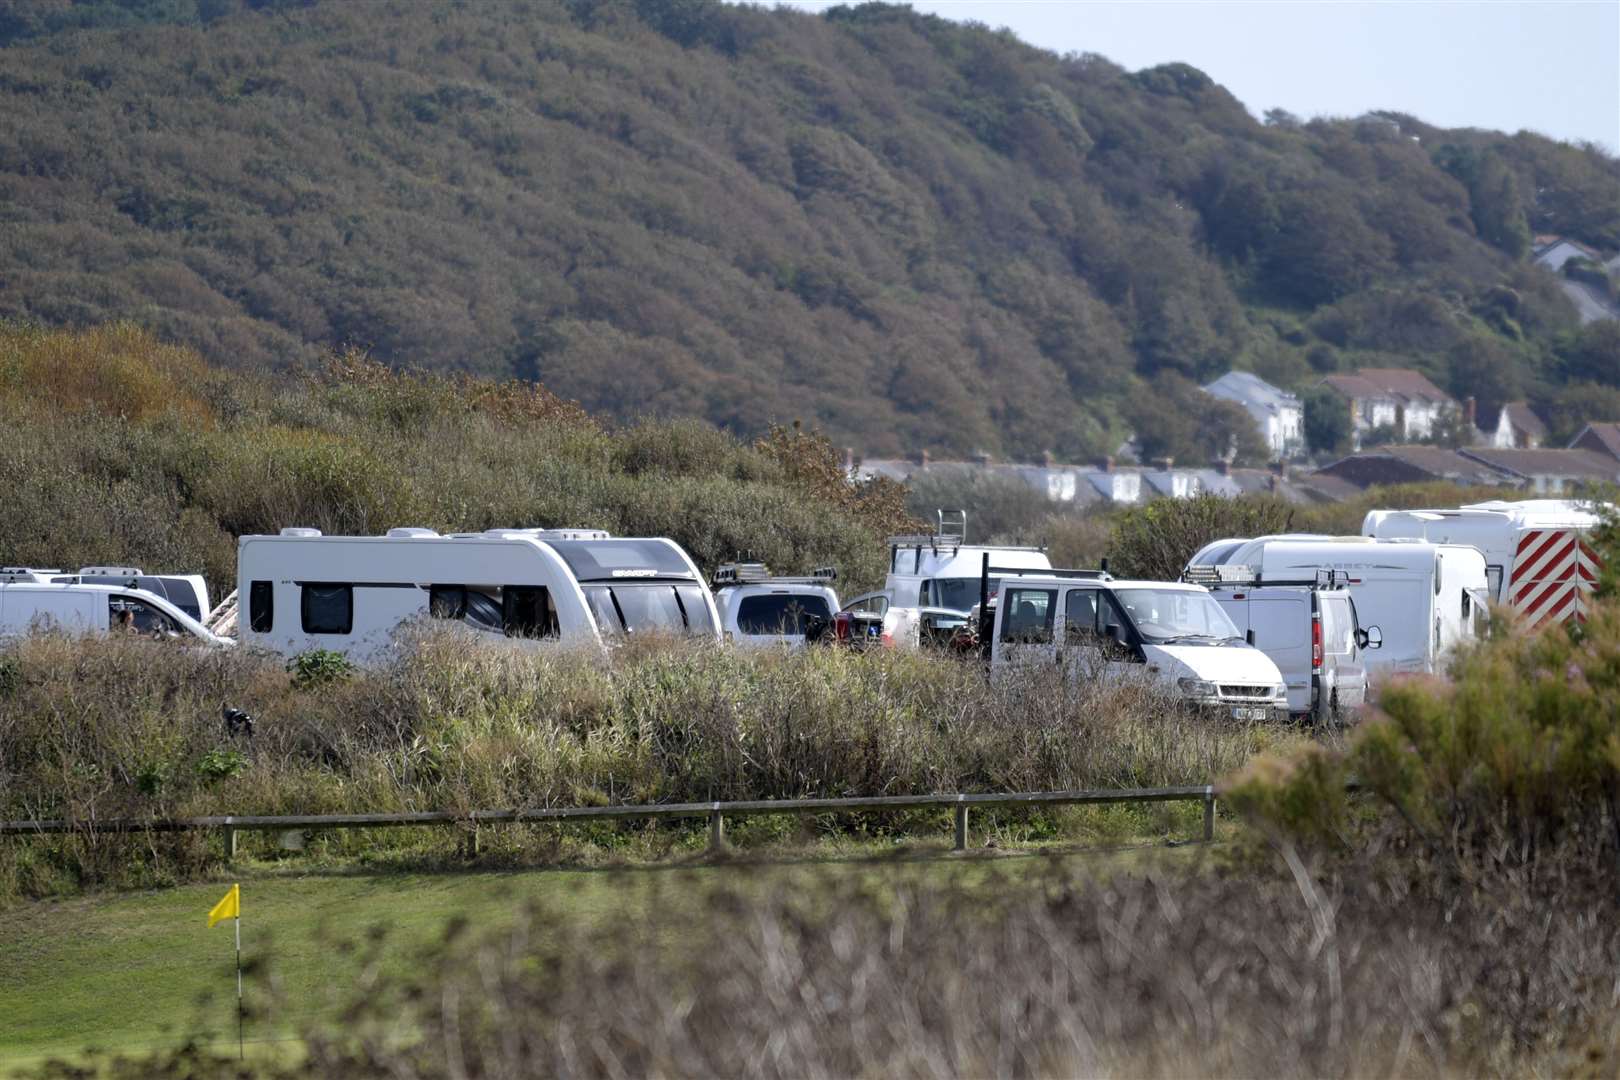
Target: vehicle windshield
[(957, 594), (649, 609), (1165, 614), (780, 613)]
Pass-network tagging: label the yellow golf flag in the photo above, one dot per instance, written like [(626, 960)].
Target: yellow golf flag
[(228, 908)]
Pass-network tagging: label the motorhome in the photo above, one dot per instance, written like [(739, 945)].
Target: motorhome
[(1308, 626), (934, 581), (1537, 560), (1172, 634), (759, 609), (301, 590), (1426, 598), (31, 602)]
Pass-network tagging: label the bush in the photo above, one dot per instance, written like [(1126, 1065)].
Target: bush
[(1154, 542)]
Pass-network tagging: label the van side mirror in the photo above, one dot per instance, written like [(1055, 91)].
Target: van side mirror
[(1113, 632), (1248, 635), (1370, 638)]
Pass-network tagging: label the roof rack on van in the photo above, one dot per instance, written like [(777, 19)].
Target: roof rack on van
[(109, 571), (1250, 577), (759, 574), (950, 531), (1025, 571), (25, 575)]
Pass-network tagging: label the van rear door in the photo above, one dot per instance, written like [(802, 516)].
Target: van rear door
[(1281, 621)]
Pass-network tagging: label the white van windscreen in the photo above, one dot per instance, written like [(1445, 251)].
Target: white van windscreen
[(610, 560), (1169, 614), (955, 594)]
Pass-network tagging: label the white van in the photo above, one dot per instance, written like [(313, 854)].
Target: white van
[(757, 609), (1171, 633), (301, 590), (1537, 560), (1426, 598), (934, 581), (1309, 628), (83, 610)]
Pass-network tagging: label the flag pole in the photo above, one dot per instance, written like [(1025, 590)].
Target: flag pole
[(240, 1053)]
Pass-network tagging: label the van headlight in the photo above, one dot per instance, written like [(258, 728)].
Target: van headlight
[(1196, 687), (1280, 690)]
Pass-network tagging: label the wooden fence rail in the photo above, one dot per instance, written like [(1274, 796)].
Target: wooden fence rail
[(716, 812)]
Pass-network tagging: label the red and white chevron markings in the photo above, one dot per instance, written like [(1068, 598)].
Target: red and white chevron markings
[(1553, 576)]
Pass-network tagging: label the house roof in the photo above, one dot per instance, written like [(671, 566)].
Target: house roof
[(1411, 464), (1519, 414), (1607, 435), (1402, 384), (1582, 464), (1247, 388)]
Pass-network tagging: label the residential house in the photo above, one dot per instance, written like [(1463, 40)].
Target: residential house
[(1516, 428), (1398, 398), (1277, 413), (1548, 472), (1601, 438), (1413, 465), (1553, 252)]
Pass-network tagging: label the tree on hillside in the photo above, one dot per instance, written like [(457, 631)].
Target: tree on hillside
[(1328, 428), (1174, 418)]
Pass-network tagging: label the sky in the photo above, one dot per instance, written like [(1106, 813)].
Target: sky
[(1551, 66)]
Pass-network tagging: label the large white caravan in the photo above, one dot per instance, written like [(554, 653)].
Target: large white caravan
[(1536, 555), (1426, 598), (934, 581), (302, 590)]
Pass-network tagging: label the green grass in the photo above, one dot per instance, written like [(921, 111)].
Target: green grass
[(131, 972)]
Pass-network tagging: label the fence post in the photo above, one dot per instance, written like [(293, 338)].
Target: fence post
[(717, 829), (1209, 813), (230, 840), (961, 826)]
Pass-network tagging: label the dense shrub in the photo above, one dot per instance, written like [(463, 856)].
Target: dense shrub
[(1156, 540)]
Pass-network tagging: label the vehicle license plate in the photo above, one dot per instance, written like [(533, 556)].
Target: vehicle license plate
[(1244, 712)]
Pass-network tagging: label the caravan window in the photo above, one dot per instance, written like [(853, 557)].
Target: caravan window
[(261, 606), (642, 609), (526, 612), (327, 609), (1493, 583)]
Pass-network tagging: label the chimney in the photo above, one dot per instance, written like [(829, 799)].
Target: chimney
[(1048, 459), (922, 458), (1164, 464), (1105, 464), (1470, 407), (849, 459)]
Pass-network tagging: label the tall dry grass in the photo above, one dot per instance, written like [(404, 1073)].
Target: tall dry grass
[(94, 730)]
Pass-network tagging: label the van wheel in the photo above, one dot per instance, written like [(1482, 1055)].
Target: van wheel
[(1327, 713)]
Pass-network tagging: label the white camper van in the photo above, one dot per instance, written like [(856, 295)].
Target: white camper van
[(1536, 556), (302, 590), (934, 581), (1426, 598), (1171, 633), (31, 602)]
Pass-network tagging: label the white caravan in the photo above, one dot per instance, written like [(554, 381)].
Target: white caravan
[(757, 609), (1536, 556), (302, 590), (934, 581), (1171, 633), (29, 604), (1426, 598)]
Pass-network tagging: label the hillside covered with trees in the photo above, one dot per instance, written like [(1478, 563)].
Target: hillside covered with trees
[(906, 232)]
